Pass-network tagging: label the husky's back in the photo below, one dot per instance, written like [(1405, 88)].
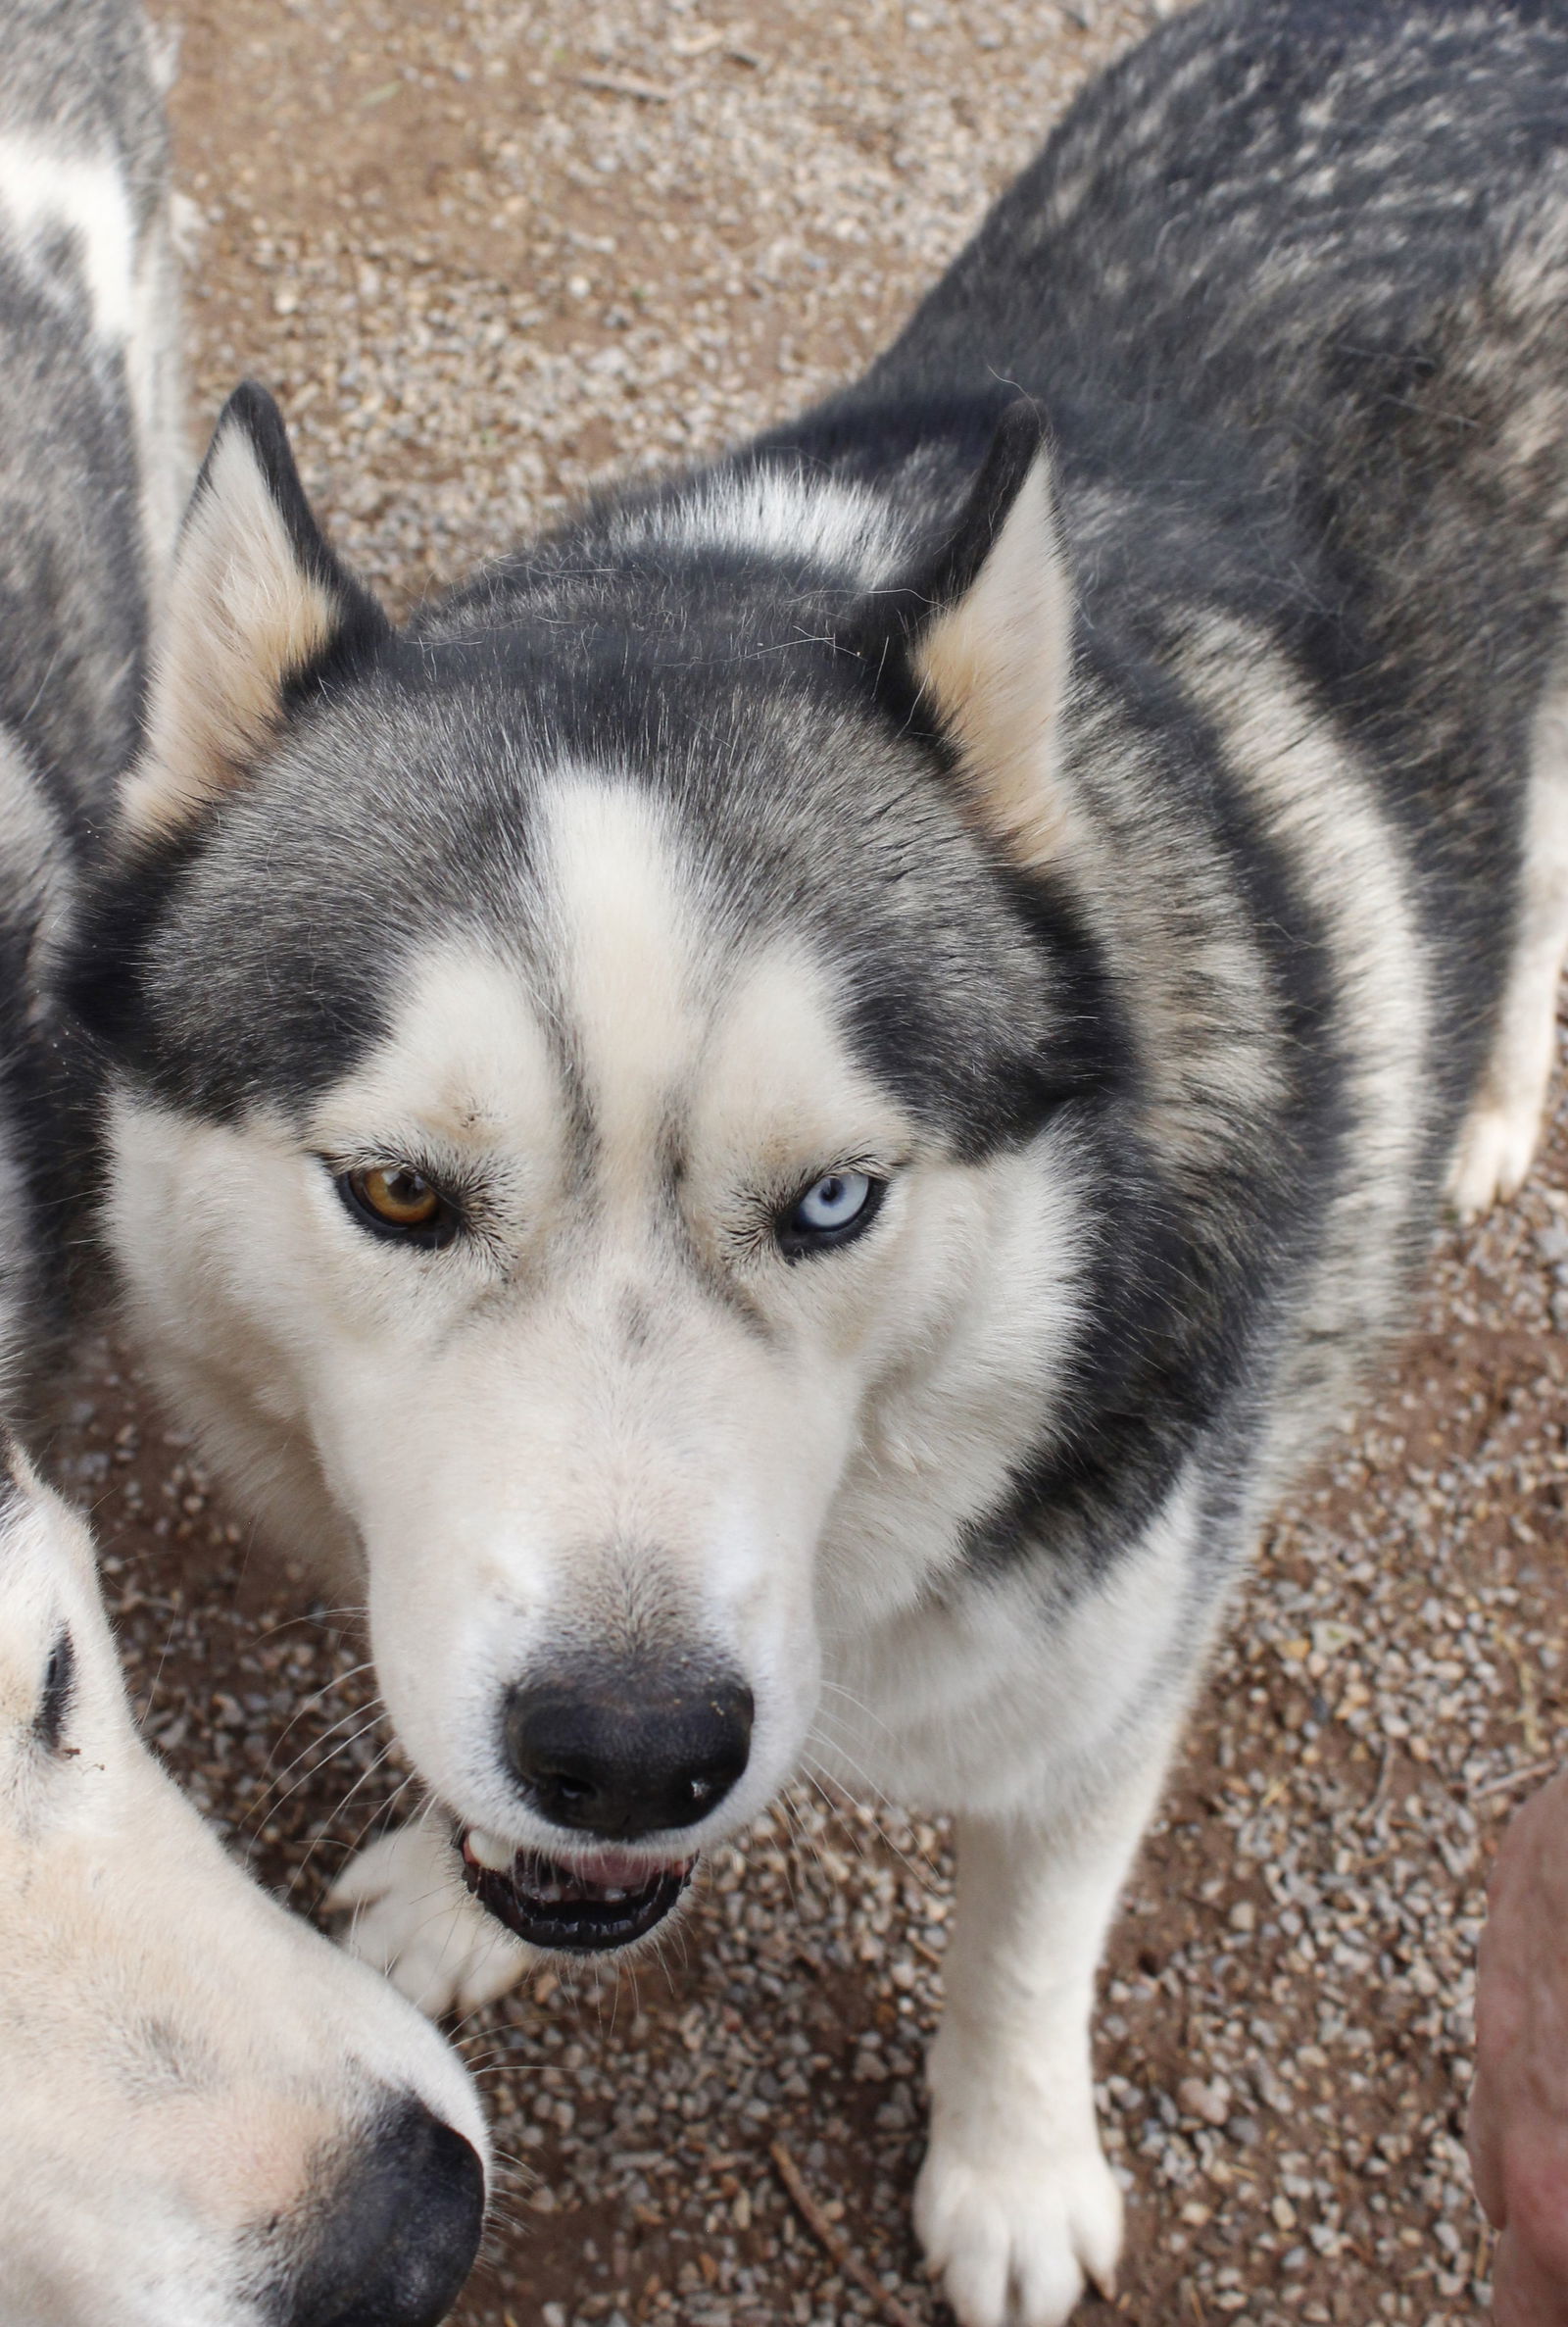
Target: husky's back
[(90, 484)]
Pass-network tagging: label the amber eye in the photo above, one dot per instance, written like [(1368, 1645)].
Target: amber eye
[(396, 1201)]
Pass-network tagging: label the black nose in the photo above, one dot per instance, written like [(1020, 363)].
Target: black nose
[(620, 1751), (398, 2233)]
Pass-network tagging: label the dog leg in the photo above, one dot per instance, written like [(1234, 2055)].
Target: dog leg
[(414, 1922), (1500, 1133), (1017, 2207)]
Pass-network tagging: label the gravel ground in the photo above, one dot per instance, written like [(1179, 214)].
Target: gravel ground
[(488, 255)]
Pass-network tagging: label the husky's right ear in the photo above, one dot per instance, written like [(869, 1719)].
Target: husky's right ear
[(989, 645), (256, 600)]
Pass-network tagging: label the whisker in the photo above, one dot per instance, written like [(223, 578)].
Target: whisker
[(308, 1704), (837, 1689), (381, 1810), (152, 1686), (344, 1745), (354, 1712)]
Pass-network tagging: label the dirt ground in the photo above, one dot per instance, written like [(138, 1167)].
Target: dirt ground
[(487, 254)]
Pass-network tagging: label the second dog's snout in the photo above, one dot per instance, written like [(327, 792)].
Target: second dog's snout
[(399, 2235), (627, 1754)]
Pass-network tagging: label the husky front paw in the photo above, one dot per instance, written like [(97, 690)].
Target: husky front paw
[(1015, 2231), (1497, 1149), (415, 1921)]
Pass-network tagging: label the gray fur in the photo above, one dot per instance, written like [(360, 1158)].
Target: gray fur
[(88, 467)]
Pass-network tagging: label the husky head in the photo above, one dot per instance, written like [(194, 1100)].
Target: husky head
[(209, 2117), (600, 1114)]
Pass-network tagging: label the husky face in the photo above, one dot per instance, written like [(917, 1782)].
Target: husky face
[(570, 1194), (237, 2110)]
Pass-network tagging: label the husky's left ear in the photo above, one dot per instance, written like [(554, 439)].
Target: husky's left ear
[(256, 600), (990, 650)]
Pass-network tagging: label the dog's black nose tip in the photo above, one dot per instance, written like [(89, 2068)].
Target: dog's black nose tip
[(630, 1751), (399, 2233)]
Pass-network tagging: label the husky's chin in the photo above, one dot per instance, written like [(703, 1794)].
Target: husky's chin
[(588, 1904)]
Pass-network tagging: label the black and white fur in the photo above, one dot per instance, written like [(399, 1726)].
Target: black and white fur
[(91, 477), (1099, 782), (209, 2117)]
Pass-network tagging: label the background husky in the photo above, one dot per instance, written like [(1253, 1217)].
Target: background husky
[(856, 1050), (208, 2117), (91, 474)]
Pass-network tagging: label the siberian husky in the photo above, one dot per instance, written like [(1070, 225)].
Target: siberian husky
[(209, 2117), (784, 1118)]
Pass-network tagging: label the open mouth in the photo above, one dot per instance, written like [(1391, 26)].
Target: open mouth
[(604, 1900)]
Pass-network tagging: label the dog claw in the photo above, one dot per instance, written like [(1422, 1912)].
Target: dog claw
[(1012, 2237)]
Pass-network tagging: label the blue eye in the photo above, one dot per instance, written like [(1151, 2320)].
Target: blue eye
[(832, 1211), (834, 1201)]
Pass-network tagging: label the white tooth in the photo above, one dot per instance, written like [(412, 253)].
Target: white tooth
[(610, 1892), (486, 1850)]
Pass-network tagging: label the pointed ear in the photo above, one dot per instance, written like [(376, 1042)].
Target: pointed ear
[(257, 599), (993, 651)]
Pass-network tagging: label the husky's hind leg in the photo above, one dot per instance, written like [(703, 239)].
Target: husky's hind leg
[(1017, 2207), (1502, 1129)]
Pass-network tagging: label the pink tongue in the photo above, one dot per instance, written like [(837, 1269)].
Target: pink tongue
[(615, 1870)]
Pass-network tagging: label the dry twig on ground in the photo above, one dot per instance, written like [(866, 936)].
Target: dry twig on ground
[(833, 2241)]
